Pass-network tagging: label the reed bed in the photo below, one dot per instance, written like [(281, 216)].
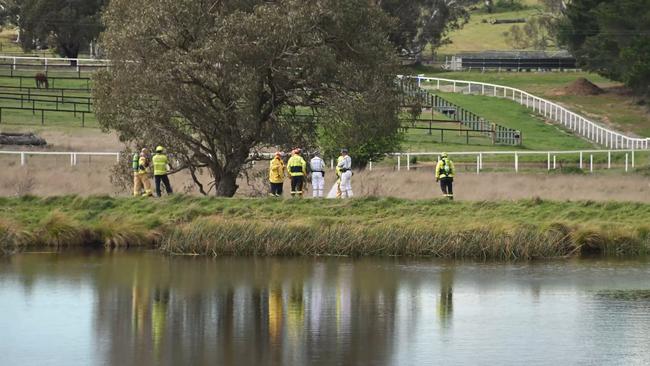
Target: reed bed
[(219, 237), (516, 230)]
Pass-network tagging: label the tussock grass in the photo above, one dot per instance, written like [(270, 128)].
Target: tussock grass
[(219, 237), (490, 230)]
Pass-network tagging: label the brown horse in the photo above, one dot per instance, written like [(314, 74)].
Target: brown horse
[(41, 81)]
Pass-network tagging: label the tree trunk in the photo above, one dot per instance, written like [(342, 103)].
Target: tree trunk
[(227, 184), (71, 52)]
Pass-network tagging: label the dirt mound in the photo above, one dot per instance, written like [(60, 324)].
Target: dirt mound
[(583, 86)]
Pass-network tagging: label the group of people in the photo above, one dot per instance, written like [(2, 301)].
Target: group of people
[(142, 165), (298, 171)]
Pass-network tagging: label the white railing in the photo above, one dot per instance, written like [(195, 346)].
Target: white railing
[(15, 62), (554, 112), (73, 155), (551, 157), (586, 157)]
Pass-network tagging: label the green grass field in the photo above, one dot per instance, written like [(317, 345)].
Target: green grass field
[(192, 225), (478, 35), (615, 107)]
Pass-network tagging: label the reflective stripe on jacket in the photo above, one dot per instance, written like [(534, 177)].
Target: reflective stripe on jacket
[(297, 166), (445, 169), (160, 164), (276, 171)]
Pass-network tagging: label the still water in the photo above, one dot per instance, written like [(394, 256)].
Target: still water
[(139, 308)]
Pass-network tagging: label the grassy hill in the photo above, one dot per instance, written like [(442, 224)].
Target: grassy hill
[(616, 108), (479, 35)]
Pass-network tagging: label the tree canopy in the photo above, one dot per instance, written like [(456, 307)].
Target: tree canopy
[(217, 81), (611, 38), (66, 25), (422, 23)]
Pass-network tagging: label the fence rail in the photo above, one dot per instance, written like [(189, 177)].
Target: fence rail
[(553, 111), (414, 96), (586, 157), (73, 155), (551, 157)]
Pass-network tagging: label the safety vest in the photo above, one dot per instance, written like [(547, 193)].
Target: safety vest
[(445, 168), (297, 166), (135, 163), (160, 164)]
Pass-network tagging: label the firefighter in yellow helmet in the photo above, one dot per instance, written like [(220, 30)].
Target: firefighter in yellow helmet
[(297, 167), (445, 172), (276, 175), (141, 170), (160, 170)]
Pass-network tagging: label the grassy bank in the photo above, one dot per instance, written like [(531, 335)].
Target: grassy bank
[(384, 227)]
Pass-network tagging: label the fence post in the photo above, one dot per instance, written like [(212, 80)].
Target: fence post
[(481, 156), (516, 163), (626, 164), (71, 159), (609, 160), (554, 161), (22, 159), (399, 162), (591, 163), (408, 161), (332, 164), (580, 160), (633, 158), (370, 165), (117, 156), (548, 161), (478, 164)]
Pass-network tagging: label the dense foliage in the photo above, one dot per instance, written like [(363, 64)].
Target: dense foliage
[(217, 81), (65, 25), (611, 38)]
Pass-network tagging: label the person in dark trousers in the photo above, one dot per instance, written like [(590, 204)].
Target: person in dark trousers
[(160, 171), (445, 175), (276, 175), (297, 167)]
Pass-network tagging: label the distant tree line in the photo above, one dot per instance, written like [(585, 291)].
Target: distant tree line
[(611, 38), (67, 26)]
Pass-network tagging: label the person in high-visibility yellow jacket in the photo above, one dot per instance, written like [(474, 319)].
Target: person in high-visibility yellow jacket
[(160, 171), (297, 167), (445, 172), (141, 168), (276, 175)]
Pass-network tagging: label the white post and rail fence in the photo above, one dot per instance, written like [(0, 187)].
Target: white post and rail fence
[(552, 111), (585, 158)]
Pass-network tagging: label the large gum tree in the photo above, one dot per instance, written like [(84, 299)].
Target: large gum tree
[(217, 80)]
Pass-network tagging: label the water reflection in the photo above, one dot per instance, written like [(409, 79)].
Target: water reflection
[(150, 309)]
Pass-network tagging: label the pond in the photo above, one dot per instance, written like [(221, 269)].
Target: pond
[(143, 308)]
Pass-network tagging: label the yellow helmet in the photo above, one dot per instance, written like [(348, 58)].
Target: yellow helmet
[(160, 149), (444, 155)]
